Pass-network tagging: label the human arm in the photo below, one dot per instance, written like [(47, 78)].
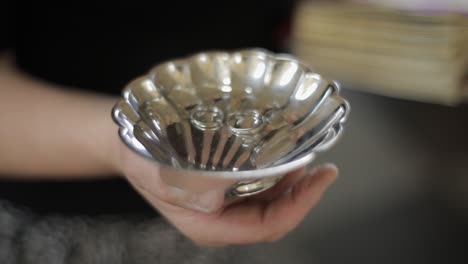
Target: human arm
[(49, 132)]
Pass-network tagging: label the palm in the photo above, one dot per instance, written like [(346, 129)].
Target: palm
[(265, 217)]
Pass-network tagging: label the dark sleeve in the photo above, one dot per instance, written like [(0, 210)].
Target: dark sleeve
[(6, 29), (25, 238), (281, 16)]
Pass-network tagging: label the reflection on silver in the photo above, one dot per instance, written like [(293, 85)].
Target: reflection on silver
[(247, 188), (241, 116)]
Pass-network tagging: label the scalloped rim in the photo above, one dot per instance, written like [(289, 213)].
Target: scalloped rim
[(245, 174)]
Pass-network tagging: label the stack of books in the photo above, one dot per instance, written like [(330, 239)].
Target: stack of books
[(413, 55)]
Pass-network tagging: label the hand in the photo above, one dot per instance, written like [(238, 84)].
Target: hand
[(265, 217)]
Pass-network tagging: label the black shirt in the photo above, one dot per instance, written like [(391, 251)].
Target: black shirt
[(100, 47)]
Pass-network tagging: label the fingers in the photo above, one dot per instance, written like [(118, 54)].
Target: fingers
[(282, 186), (287, 211), (259, 221), (252, 221)]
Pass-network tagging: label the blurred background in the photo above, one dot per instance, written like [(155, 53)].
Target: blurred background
[(402, 196)]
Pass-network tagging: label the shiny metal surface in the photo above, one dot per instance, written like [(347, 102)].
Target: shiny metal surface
[(228, 123)]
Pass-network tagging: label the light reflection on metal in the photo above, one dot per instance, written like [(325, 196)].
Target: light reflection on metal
[(205, 131)]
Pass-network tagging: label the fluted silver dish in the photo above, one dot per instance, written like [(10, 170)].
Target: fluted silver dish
[(231, 123)]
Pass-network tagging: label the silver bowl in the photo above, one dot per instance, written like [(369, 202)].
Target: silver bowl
[(232, 123)]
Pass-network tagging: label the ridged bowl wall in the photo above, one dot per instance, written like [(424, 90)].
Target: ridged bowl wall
[(246, 114)]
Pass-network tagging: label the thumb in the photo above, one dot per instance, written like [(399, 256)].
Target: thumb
[(287, 211)]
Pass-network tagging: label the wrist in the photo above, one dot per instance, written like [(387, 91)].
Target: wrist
[(107, 145)]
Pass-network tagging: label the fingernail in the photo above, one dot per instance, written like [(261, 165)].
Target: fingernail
[(209, 202), (325, 166), (328, 166)]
